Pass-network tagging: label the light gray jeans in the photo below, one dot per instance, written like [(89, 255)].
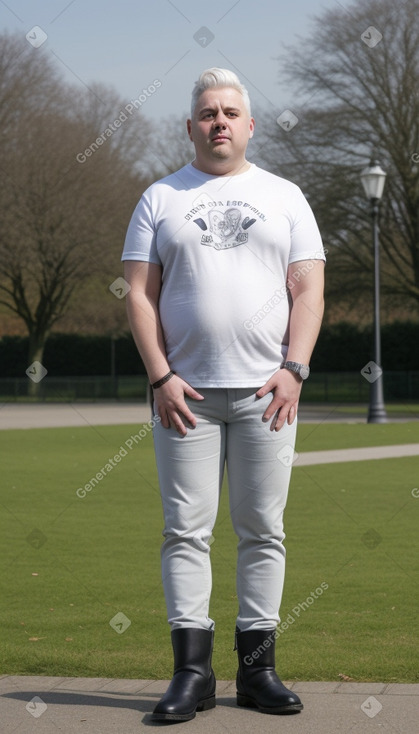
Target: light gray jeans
[(229, 433)]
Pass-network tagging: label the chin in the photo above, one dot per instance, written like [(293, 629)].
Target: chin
[(220, 153)]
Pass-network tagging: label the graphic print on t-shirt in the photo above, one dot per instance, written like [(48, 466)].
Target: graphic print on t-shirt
[(226, 228)]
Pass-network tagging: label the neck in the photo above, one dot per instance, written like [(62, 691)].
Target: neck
[(222, 168)]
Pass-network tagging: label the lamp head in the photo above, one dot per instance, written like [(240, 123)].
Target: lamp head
[(373, 179)]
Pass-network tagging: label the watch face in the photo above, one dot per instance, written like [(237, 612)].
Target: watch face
[(304, 372)]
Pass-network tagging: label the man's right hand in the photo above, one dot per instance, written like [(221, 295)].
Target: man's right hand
[(169, 400)]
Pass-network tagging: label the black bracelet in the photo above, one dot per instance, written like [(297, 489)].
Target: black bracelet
[(164, 379)]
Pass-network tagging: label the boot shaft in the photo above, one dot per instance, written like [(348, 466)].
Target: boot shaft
[(192, 650), (256, 649)]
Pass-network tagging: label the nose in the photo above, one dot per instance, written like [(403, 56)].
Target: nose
[(220, 121)]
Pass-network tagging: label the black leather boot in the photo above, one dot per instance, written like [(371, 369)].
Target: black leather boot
[(258, 685), (192, 687)]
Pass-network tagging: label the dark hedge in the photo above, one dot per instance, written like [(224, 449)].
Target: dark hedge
[(342, 347)]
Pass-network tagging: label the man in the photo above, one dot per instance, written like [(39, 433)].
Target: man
[(225, 264)]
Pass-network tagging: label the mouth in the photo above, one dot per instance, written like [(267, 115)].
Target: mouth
[(219, 138)]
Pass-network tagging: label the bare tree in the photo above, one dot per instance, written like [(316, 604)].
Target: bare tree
[(357, 82), (172, 149), (70, 179)]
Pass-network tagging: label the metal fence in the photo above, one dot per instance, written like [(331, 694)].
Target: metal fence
[(353, 387), (69, 389), (350, 387)]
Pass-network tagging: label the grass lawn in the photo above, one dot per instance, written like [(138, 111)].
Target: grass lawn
[(71, 564)]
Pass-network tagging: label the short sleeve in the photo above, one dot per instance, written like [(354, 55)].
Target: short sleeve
[(306, 241), (140, 241)]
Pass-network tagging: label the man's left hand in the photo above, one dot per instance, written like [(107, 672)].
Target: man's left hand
[(286, 388)]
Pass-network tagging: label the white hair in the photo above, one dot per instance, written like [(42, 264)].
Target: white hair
[(215, 78)]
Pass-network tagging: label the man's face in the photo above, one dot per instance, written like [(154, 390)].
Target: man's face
[(220, 128)]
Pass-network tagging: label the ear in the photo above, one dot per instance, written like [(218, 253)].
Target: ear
[(251, 127), (189, 128)]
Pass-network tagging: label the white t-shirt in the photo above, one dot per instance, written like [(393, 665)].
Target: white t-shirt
[(224, 244)]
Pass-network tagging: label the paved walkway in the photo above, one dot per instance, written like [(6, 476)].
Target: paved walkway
[(309, 458), (55, 415), (104, 706)]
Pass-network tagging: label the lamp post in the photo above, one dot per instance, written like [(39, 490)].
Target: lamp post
[(373, 180), (113, 367)]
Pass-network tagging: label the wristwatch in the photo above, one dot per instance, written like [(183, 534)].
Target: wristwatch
[(303, 370)]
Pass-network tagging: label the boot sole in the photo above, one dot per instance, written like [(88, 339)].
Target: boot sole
[(205, 705), (291, 708)]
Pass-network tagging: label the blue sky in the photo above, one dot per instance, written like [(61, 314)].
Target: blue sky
[(130, 44)]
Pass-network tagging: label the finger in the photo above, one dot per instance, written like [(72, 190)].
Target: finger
[(164, 419), (177, 423), (170, 419), (193, 393), (280, 418), (263, 391), (279, 425), (186, 413), (292, 415), (283, 416), (273, 422), (179, 412), (273, 408)]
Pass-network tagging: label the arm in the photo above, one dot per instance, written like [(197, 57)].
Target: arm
[(305, 279), (144, 320)]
